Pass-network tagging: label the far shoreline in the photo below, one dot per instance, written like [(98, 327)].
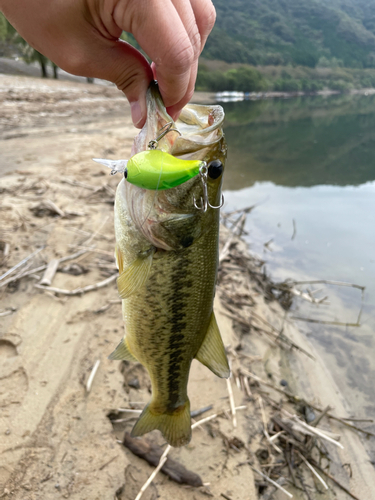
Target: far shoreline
[(206, 97)]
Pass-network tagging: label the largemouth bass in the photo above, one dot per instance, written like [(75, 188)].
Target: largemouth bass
[(167, 256)]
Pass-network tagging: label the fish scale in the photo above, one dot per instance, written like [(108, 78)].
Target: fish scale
[(184, 311), (167, 254)]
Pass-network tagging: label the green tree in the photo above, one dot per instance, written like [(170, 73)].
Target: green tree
[(9, 36), (3, 28)]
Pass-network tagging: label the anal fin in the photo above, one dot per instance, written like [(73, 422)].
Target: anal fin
[(135, 275), (122, 352), (212, 351)]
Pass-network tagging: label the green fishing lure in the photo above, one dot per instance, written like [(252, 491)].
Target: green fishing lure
[(155, 169)]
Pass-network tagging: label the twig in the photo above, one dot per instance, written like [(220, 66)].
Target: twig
[(23, 261), (333, 479), (211, 417), (281, 336), (237, 226), (313, 471), (50, 272), (297, 400), (92, 375), (77, 183), (325, 322), (245, 210), (79, 291), (24, 274), (7, 312), (163, 458), (274, 333), (247, 386), (196, 413), (271, 481), (231, 402), (265, 426), (162, 461), (54, 208), (225, 496), (324, 412), (313, 430), (152, 452), (327, 282), (107, 463), (6, 249), (129, 410), (370, 420), (308, 296)]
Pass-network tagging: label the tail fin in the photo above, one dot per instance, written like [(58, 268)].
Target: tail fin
[(175, 427)]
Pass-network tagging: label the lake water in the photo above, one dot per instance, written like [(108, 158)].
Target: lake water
[(308, 166)]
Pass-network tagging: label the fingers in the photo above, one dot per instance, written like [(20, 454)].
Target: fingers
[(162, 35), (130, 71), (172, 33), (81, 37), (205, 16)]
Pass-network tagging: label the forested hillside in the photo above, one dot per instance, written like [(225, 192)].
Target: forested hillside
[(323, 33)]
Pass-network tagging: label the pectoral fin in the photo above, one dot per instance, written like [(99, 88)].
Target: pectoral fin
[(122, 352), (135, 276), (212, 351)]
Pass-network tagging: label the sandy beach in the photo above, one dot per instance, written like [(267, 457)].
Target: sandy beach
[(60, 440)]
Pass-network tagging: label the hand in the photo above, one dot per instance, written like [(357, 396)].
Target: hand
[(82, 37)]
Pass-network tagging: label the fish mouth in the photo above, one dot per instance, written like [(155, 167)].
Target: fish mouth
[(167, 218), (192, 136)]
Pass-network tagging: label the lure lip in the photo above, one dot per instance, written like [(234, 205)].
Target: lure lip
[(115, 165)]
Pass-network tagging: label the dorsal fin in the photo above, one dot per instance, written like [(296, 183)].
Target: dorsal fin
[(212, 351)]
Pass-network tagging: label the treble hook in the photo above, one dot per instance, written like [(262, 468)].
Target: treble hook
[(203, 171), (153, 144)]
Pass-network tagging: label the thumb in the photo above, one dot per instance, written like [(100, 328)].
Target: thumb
[(125, 66)]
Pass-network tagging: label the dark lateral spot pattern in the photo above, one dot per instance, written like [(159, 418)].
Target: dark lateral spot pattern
[(176, 349)]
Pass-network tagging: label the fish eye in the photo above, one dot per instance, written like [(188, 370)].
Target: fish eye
[(126, 173), (215, 169)]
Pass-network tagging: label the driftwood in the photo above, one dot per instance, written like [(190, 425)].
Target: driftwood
[(152, 453), (80, 290)]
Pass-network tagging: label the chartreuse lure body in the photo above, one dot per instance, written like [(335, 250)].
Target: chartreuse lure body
[(155, 169)]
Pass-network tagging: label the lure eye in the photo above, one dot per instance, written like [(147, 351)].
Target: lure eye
[(126, 173), (215, 169)]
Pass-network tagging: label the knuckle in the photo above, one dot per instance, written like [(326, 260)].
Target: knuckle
[(127, 81), (196, 41)]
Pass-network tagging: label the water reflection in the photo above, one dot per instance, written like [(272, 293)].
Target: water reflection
[(308, 165), (301, 141)]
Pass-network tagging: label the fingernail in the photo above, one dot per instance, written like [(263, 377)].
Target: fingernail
[(136, 112)]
